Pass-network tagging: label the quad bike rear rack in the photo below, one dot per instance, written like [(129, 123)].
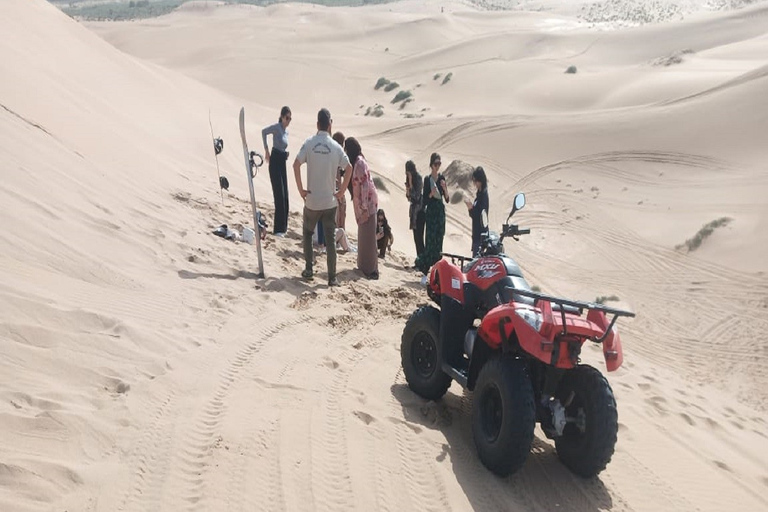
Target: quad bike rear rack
[(576, 306)]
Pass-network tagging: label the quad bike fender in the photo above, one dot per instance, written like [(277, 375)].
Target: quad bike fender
[(612, 352), (481, 354), (501, 324), (547, 345), (447, 279)]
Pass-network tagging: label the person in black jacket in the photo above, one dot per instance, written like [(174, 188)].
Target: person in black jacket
[(478, 210), (413, 191)]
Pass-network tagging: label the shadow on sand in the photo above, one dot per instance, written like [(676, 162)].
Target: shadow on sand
[(543, 484), (295, 285)]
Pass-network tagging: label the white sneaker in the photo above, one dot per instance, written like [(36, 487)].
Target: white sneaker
[(281, 235), (423, 280)]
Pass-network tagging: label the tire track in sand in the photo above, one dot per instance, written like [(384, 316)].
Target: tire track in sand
[(202, 438), (151, 460), (179, 483), (331, 475), (424, 486)]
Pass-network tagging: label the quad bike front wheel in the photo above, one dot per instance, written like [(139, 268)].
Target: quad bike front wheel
[(421, 356), (589, 438), (503, 415)]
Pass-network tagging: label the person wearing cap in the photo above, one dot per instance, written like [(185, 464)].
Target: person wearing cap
[(323, 157), (277, 172)]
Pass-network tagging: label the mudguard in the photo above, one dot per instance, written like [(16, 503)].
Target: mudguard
[(447, 279), (612, 352)]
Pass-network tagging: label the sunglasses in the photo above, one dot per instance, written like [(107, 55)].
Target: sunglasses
[(287, 118), (438, 162)]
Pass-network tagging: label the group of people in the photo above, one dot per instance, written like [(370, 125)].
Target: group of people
[(336, 164), (427, 210)]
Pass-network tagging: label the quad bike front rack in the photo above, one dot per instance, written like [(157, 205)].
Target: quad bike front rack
[(578, 307), (455, 257)]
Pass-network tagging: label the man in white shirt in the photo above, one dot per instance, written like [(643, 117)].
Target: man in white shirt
[(323, 156)]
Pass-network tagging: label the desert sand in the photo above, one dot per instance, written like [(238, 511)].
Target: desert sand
[(144, 366)]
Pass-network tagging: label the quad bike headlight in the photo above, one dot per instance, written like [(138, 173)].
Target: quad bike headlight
[(531, 317)]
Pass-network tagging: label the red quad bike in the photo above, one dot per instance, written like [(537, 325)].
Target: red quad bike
[(518, 350)]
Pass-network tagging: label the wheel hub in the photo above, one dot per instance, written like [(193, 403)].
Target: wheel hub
[(492, 413), (424, 354)]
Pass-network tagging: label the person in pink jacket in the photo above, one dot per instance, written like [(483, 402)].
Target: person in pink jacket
[(366, 203)]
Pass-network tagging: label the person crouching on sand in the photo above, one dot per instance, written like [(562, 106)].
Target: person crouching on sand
[(384, 238)]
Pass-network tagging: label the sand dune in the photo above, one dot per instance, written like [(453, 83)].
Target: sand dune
[(143, 366)]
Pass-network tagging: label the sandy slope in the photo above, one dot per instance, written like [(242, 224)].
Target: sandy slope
[(143, 367)]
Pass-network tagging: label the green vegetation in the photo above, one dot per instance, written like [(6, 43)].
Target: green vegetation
[(457, 197), (391, 86), (536, 288), (120, 11), (447, 78), (401, 96), (375, 111), (571, 70), (380, 185), (437, 75), (605, 298), (694, 243), (139, 9), (381, 82)]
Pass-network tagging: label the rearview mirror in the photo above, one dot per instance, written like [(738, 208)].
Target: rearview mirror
[(519, 203)]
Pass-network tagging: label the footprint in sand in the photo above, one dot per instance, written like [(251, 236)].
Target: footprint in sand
[(657, 402), (397, 421), (712, 423), (330, 363), (722, 465), (687, 419), (364, 417)]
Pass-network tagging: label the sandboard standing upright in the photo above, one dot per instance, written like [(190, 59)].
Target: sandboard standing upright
[(218, 147), (249, 165)]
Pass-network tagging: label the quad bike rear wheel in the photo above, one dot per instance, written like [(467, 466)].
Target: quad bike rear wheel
[(503, 415), (421, 356), (589, 438)]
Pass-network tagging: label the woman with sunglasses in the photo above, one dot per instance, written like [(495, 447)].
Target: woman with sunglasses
[(435, 192), (276, 160)]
